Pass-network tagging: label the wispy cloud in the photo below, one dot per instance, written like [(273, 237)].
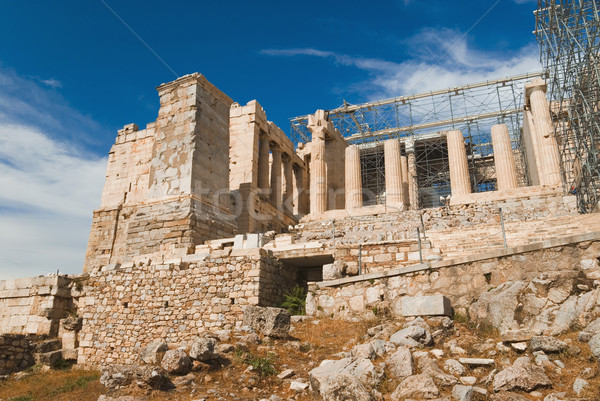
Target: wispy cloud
[(50, 183), (53, 83), (440, 58)]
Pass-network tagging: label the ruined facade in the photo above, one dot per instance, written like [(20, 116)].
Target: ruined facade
[(212, 208)]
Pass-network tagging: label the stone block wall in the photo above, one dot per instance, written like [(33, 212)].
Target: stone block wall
[(35, 305), (381, 226), (381, 256), (167, 185), (462, 283), (126, 308), (16, 353), (176, 225)]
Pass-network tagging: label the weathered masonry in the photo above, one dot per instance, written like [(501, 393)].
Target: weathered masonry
[(212, 208)]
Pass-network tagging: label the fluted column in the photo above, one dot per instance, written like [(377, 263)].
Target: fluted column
[(413, 186), (405, 190), (354, 194), (393, 174), (288, 185), (276, 176), (318, 175), (459, 169), (263, 163), (504, 159), (299, 196), (549, 166)]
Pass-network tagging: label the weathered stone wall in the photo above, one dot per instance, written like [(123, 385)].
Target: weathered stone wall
[(35, 305), (126, 308), (176, 225), (16, 353), (381, 256), (168, 184), (382, 226), (461, 283)]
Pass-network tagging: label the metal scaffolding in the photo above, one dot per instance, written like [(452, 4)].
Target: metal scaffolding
[(568, 34), (424, 118)]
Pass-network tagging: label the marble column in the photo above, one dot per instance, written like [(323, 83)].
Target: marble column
[(413, 185), (354, 198), (299, 207), (459, 169), (504, 159), (263, 163), (393, 174), (549, 160), (318, 175), (276, 176), (288, 185), (405, 190)]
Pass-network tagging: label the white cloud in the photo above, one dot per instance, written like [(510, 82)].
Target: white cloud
[(53, 83), (49, 184), (440, 58)]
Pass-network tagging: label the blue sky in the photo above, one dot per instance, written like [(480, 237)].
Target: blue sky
[(72, 73)]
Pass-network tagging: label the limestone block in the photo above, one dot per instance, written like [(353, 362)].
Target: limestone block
[(432, 305)]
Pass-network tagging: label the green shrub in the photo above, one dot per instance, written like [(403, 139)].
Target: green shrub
[(295, 301)]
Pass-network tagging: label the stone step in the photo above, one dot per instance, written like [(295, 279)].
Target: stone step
[(48, 358), (45, 346)]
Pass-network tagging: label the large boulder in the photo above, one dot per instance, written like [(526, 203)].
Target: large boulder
[(176, 362), (547, 344), (400, 363), (417, 386), (272, 322), (522, 375), (430, 367), (552, 303), (115, 377), (345, 379), (154, 352), (415, 334), (203, 349)]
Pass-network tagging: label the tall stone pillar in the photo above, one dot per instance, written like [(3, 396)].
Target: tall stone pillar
[(549, 160), (405, 190), (504, 159), (413, 184), (393, 174), (459, 169), (288, 185), (318, 175), (276, 176), (354, 196), (263, 163), (299, 196)]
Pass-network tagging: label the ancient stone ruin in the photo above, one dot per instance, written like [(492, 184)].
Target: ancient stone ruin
[(211, 211)]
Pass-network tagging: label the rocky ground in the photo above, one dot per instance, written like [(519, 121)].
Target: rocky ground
[(534, 340)]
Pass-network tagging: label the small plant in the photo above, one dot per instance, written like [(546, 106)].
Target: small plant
[(295, 301), (372, 280), (263, 366), (460, 317), (375, 310)]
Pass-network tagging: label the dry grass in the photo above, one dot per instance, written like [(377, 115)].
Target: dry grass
[(313, 343), (55, 385)]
